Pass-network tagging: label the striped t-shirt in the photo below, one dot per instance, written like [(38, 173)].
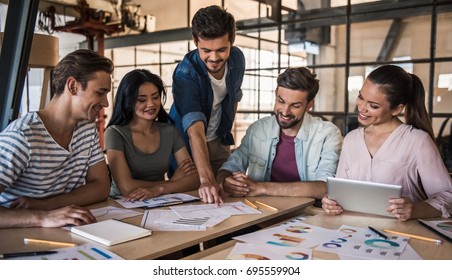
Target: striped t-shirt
[(33, 165)]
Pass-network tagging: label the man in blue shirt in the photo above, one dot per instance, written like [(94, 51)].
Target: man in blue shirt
[(288, 154), (206, 90)]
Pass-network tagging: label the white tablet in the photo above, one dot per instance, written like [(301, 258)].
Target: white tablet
[(362, 196)]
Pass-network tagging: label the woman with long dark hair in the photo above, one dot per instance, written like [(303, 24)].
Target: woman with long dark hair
[(140, 142), (386, 150)]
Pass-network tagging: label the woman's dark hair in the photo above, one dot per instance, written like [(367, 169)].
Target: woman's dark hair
[(212, 22), (402, 88), (81, 64), (127, 95)]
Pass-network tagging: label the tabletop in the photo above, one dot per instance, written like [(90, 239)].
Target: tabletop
[(159, 243)]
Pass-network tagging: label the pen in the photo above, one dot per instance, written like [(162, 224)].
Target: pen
[(40, 241), (251, 204), (26, 254), (377, 232), (266, 205), (164, 204), (172, 203), (436, 241)]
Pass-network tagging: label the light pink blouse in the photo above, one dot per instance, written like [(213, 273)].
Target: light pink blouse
[(408, 158)]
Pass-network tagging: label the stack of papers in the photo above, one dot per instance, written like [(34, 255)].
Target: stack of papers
[(348, 242), (193, 217), (163, 200)]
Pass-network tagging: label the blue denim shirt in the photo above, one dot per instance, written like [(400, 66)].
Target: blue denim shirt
[(317, 148), (193, 94)]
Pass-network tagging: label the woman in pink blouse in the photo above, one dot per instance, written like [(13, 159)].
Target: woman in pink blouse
[(386, 150)]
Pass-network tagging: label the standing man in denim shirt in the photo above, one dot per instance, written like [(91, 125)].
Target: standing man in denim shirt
[(206, 90), (288, 154)]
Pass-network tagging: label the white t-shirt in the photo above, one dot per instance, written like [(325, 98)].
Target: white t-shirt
[(219, 93)]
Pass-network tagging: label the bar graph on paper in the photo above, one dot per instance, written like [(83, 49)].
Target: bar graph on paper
[(82, 252)]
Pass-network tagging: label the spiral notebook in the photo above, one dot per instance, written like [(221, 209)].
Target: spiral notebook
[(111, 232)]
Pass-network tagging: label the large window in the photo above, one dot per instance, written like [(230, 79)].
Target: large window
[(342, 50), (340, 43)]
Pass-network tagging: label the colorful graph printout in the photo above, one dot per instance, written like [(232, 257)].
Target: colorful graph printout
[(365, 244), (82, 252), (294, 233), (245, 251)]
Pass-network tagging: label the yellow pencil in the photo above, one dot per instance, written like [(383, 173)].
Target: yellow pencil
[(436, 241), (251, 204), (49, 242), (266, 205)]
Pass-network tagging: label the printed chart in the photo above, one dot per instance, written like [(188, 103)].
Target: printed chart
[(245, 251), (82, 252), (365, 244)]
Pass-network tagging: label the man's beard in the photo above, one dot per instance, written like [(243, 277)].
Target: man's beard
[(293, 122)]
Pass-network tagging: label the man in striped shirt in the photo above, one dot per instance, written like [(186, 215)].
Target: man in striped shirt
[(52, 158)]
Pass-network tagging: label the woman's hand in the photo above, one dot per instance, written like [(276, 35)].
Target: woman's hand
[(143, 193), (401, 208), (331, 207)]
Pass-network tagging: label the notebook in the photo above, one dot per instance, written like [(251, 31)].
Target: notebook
[(361, 196), (111, 232), (442, 227)]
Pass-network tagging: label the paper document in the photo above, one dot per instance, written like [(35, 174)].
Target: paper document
[(294, 233), (163, 200), (82, 252), (111, 212), (151, 217), (363, 243), (204, 221), (211, 210), (245, 251)]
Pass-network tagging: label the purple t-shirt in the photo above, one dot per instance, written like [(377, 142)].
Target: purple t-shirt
[(284, 167)]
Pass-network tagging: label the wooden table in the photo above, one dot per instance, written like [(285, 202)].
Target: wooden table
[(427, 250), (160, 243)]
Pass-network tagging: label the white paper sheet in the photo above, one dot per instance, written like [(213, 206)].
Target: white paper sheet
[(111, 212), (294, 233), (244, 251), (151, 216), (163, 200), (363, 243), (83, 252), (211, 210)]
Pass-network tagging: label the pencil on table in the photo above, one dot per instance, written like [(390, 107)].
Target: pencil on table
[(266, 205), (49, 242), (436, 241), (251, 204)]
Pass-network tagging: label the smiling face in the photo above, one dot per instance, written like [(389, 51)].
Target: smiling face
[(93, 98), (290, 107), (148, 102), (214, 53), (373, 107)]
